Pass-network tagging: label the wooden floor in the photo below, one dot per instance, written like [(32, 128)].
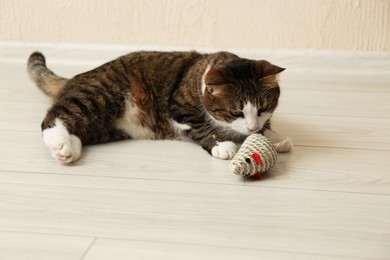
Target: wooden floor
[(327, 199)]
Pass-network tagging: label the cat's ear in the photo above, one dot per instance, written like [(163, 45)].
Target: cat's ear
[(266, 69), (218, 75), (214, 89), (216, 79)]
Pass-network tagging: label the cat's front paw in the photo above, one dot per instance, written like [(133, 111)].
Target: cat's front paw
[(224, 150)]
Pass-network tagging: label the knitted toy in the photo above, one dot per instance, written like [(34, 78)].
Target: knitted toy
[(256, 156)]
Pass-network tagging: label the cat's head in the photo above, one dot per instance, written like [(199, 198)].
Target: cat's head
[(242, 95)]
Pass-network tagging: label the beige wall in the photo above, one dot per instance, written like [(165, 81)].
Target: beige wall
[(287, 24)]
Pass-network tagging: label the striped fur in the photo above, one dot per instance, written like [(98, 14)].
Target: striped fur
[(158, 95)]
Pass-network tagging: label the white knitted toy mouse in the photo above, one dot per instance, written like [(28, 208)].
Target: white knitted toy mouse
[(256, 156)]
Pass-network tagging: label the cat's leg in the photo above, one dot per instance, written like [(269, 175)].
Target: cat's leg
[(83, 114), (283, 143), (216, 144), (74, 121), (64, 147), (61, 130)]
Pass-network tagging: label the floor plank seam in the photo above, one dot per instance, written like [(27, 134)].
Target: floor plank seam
[(173, 243), (88, 249), (244, 183), (128, 178), (44, 233)]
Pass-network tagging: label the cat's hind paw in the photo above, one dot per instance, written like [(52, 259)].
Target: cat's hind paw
[(224, 150), (63, 146), (68, 151)]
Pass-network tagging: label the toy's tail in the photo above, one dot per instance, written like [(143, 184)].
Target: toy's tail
[(44, 78)]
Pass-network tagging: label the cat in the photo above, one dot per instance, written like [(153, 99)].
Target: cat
[(215, 100)]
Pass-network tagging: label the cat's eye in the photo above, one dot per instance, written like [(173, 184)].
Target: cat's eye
[(261, 110), (237, 113)]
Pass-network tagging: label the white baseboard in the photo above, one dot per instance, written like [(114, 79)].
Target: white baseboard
[(311, 61)]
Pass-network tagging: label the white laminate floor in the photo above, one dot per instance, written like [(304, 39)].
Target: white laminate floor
[(327, 199)]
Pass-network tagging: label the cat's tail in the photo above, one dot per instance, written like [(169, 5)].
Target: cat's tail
[(45, 79)]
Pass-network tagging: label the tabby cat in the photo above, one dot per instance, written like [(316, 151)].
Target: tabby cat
[(215, 100)]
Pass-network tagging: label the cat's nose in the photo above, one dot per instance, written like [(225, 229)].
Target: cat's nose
[(253, 128)]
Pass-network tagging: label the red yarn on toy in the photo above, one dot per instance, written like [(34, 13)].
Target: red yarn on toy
[(258, 160), (257, 176)]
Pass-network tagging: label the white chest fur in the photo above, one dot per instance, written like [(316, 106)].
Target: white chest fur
[(130, 123)]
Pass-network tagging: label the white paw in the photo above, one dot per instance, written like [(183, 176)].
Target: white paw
[(284, 146), (224, 150), (63, 146)]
